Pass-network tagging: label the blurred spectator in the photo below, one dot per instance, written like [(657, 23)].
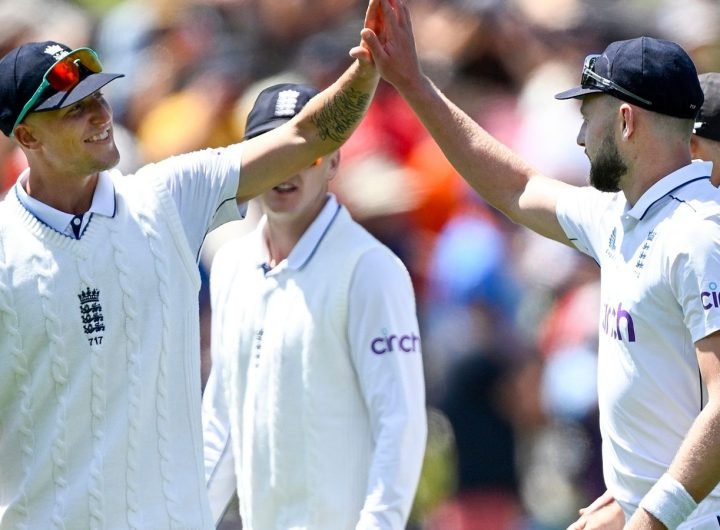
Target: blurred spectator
[(487, 495)]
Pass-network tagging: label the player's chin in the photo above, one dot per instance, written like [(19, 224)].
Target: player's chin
[(113, 158), (107, 161)]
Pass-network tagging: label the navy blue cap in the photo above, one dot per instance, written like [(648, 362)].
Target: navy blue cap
[(276, 105), (707, 123), (21, 73), (658, 71)]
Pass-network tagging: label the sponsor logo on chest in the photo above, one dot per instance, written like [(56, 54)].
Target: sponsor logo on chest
[(617, 323)]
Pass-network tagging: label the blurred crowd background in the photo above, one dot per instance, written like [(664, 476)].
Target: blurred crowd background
[(508, 319)]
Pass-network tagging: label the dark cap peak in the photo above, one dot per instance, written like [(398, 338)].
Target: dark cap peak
[(651, 73), (21, 73)]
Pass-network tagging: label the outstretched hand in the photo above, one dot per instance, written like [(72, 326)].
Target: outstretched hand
[(388, 41), (373, 22)]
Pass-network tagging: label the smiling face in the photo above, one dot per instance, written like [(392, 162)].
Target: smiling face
[(73, 141)]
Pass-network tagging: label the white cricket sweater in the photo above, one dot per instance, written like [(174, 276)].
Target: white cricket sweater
[(323, 392), (99, 369)]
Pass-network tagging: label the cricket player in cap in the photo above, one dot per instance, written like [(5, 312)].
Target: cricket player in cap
[(315, 406), (650, 218), (99, 334)]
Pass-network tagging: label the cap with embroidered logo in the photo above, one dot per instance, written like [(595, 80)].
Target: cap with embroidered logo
[(276, 105), (28, 79)]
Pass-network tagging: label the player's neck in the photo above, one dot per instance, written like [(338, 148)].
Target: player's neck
[(644, 176), (280, 239), (70, 195), (284, 229)]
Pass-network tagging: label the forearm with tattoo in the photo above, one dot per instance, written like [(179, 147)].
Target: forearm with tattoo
[(341, 114)]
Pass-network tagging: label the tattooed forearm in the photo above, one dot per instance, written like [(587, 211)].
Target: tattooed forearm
[(341, 114)]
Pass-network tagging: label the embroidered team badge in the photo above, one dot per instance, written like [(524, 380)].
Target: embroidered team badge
[(57, 51), (91, 313), (644, 251), (286, 103)]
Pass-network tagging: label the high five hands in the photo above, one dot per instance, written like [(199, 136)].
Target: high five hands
[(387, 40)]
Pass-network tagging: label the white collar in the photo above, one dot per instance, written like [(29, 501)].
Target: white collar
[(103, 203), (308, 243), (696, 170)]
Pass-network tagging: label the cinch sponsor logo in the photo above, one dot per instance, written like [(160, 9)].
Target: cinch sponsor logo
[(710, 297), (615, 320), (391, 343)]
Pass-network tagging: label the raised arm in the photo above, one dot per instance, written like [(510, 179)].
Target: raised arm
[(495, 172), (323, 125)]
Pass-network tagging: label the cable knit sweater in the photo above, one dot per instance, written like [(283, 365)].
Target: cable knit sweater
[(99, 369)]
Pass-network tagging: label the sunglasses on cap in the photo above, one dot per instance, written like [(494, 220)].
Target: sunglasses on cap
[(63, 76), (591, 79)]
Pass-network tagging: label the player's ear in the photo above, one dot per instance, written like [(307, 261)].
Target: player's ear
[(334, 164), (694, 146), (25, 137), (627, 115)]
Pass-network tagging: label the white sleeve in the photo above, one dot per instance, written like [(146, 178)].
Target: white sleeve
[(580, 212), (693, 275), (217, 444), (203, 186), (217, 448), (386, 350)]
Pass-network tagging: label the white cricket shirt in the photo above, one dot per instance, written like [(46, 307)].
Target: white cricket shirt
[(660, 293), (317, 389)]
